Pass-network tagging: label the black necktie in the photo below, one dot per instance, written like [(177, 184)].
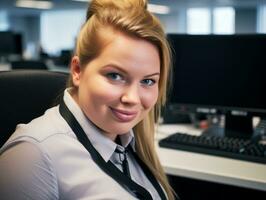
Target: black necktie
[(124, 161)]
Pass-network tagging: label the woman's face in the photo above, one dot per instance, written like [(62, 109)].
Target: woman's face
[(117, 89)]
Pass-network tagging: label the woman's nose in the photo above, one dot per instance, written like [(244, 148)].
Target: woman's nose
[(131, 95)]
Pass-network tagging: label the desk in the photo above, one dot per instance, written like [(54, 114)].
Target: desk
[(206, 167), (5, 66)]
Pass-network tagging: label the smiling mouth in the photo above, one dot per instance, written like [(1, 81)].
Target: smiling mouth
[(123, 116)]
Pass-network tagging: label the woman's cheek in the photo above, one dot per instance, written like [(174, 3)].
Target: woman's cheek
[(149, 98), (106, 92)]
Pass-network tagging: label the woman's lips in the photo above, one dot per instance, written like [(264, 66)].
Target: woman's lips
[(124, 115)]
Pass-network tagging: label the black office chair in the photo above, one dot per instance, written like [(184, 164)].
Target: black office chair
[(26, 94), (29, 64)]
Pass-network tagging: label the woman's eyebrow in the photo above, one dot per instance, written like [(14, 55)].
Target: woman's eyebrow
[(154, 74), (116, 67), (125, 72)]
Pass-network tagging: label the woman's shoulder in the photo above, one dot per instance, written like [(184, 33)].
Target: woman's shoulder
[(41, 128), (19, 169)]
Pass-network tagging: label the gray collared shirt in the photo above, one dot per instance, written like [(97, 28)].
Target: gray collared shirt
[(44, 160)]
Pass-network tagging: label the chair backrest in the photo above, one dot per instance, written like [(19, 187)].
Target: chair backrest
[(25, 95), (29, 64)]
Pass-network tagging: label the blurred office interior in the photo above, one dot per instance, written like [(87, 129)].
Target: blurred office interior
[(41, 35), (46, 30)]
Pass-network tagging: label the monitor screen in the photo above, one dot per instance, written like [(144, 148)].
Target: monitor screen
[(11, 43), (219, 74), (18, 48), (7, 42)]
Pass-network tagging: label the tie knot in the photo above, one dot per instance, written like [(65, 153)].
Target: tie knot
[(120, 149), (122, 158), (121, 154)]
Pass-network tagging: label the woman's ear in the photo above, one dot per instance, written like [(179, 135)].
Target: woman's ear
[(75, 70)]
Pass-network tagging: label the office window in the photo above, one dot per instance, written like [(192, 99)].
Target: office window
[(223, 20), (261, 19), (59, 29), (4, 25), (198, 21)]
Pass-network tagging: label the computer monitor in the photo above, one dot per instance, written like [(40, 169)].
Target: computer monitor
[(18, 48), (6, 43), (10, 43), (220, 74)]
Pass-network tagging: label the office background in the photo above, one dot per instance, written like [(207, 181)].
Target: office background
[(53, 25), (51, 29)]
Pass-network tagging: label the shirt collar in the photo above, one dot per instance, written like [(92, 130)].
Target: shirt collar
[(104, 145)]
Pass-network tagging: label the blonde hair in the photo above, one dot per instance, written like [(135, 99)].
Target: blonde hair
[(132, 18)]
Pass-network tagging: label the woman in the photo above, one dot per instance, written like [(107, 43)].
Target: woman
[(99, 143)]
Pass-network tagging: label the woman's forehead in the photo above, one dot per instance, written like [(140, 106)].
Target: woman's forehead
[(126, 51)]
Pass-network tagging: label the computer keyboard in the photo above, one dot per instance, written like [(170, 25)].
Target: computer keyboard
[(235, 148)]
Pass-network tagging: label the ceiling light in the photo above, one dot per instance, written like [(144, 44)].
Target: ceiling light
[(82, 0), (34, 4), (158, 9)]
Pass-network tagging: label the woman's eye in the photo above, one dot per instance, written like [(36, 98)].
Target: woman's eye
[(114, 76), (148, 82)]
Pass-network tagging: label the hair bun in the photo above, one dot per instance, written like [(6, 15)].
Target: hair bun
[(96, 6)]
